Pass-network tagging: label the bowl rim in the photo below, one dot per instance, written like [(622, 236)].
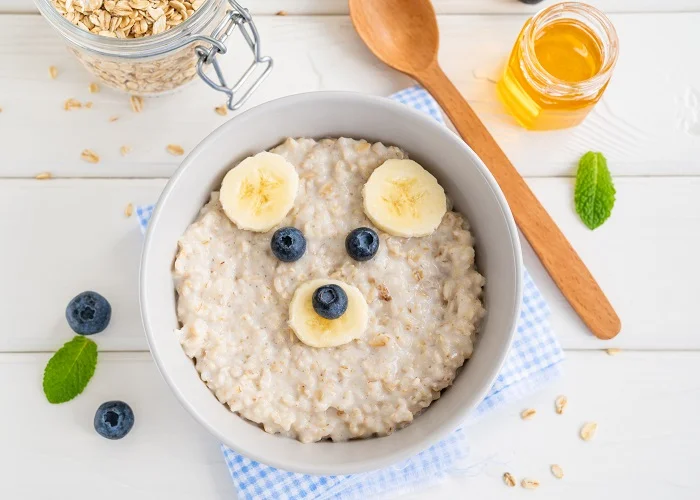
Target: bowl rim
[(456, 419)]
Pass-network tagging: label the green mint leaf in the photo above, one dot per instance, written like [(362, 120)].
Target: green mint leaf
[(70, 369), (594, 195)]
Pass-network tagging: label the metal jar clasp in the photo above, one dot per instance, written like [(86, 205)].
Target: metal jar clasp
[(236, 17)]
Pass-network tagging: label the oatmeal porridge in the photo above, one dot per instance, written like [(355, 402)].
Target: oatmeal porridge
[(422, 295)]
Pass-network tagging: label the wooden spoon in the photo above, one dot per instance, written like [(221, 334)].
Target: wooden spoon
[(404, 35)]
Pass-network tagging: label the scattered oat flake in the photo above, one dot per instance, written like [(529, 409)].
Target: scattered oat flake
[(72, 104), (125, 150), (221, 110), (113, 118), (588, 431), (88, 104), (89, 156), (53, 72), (94, 88), (557, 471), (560, 404), (175, 149), (282, 13), (528, 414), (129, 210), (613, 351), (530, 484), (43, 176), (509, 479), (136, 103)]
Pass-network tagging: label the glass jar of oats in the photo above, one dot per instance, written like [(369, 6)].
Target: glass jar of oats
[(150, 47)]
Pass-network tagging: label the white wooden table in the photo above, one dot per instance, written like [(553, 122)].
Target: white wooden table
[(70, 234)]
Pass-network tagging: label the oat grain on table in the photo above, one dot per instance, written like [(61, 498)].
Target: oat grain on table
[(588, 431), (175, 149), (71, 104), (557, 471), (528, 414), (90, 156), (560, 404), (530, 484), (509, 480)]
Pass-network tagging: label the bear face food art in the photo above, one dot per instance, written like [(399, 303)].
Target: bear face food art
[(377, 345)]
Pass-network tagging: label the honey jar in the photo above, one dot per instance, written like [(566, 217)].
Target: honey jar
[(559, 67)]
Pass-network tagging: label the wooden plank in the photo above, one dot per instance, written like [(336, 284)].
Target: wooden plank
[(167, 451), (643, 258), (167, 455), (442, 6), (640, 449), (646, 125), (71, 235)]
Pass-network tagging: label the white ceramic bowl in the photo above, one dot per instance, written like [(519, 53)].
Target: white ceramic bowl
[(333, 114)]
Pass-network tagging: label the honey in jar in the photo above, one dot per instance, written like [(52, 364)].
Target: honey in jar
[(559, 67)]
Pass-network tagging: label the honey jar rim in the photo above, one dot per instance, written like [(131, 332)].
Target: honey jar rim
[(589, 15)]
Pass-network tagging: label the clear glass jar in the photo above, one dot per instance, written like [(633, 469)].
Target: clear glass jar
[(560, 65), (157, 64)]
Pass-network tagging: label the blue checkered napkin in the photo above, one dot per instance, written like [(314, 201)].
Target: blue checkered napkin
[(255, 481), (533, 360), (143, 215)]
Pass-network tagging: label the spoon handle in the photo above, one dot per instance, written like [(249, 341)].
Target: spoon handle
[(555, 252)]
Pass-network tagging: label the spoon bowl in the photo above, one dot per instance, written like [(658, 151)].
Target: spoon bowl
[(411, 48), (404, 35)]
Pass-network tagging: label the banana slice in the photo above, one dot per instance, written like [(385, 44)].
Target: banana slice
[(316, 331), (403, 199), (259, 192)]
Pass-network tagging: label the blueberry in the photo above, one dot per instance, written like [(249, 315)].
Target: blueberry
[(530, 2), (114, 419), (362, 243), (288, 244), (88, 313), (330, 301)]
